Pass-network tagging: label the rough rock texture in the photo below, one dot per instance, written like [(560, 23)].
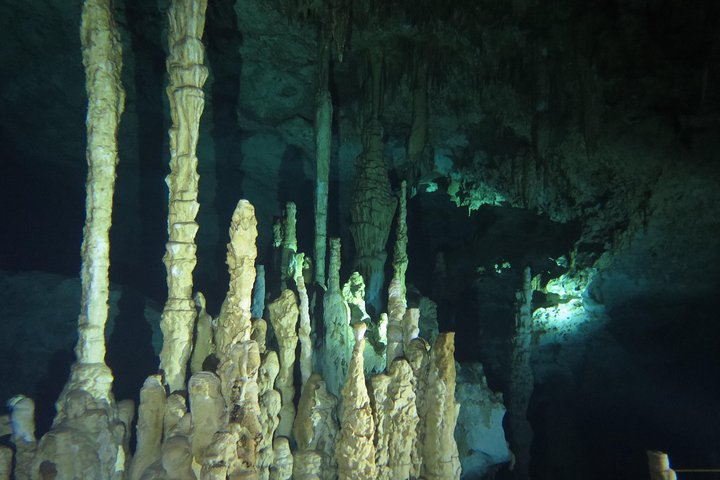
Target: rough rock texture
[(397, 301), (283, 318), (418, 355), (479, 433), (282, 467), (151, 412), (207, 408), (355, 450), (233, 324), (187, 75), (440, 413), (337, 344), (203, 345), (270, 402), (396, 419), (288, 245), (22, 419), (102, 58), (315, 429), (372, 211), (304, 330)]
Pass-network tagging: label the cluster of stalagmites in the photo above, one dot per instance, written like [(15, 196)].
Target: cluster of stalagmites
[(241, 421)]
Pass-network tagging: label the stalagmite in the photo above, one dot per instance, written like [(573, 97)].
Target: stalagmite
[(207, 408), (282, 467), (270, 402), (259, 334), (149, 427), (323, 148), (440, 453), (316, 429), (354, 450), (306, 352), (22, 419), (233, 324), (187, 75), (410, 324), (204, 346), (521, 379), (337, 344), (417, 354), (307, 465), (102, 58), (175, 410), (396, 420), (283, 318), (397, 301), (372, 211)]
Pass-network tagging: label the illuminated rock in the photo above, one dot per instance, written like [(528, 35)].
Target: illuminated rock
[(355, 450), (270, 402), (151, 412), (397, 301), (22, 419), (186, 77), (207, 409), (283, 314), (203, 346), (306, 351), (282, 467)]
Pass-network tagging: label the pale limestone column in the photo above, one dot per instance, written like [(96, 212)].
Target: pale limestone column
[(175, 410), (316, 429), (355, 450), (396, 420), (282, 467), (151, 412), (102, 58), (204, 346), (304, 330), (397, 300), (289, 245), (233, 324), (323, 149), (410, 326), (22, 419), (187, 75), (283, 314), (270, 402), (307, 465), (337, 341), (418, 355), (441, 460), (207, 408)]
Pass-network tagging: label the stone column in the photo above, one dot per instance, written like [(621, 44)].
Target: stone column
[(323, 150), (283, 318), (306, 351), (397, 301), (187, 75), (149, 427)]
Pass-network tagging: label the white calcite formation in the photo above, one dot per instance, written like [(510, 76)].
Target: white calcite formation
[(270, 402), (151, 413), (187, 75), (355, 449), (397, 301), (304, 330)]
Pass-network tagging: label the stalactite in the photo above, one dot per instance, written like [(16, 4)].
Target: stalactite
[(337, 344), (371, 212), (316, 428), (355, 450), (283, 318), (187, 75), (521, 379), (323, 150), (149, 427), (203, 346), (306, 352), (397, 302), (440, 453)]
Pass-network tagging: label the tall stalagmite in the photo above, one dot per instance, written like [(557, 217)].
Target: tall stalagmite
[(149, 426), (187, 75), (337, 344), (355, 448), (372, 211), (304, 331), (441, 460), (102, 59), (283, 318), (397, 302)]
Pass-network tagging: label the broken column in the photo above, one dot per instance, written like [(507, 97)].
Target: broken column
[(187, 75), (371, 212), (283, 314), (355, 449)]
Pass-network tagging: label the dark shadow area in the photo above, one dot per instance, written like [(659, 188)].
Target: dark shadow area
[(294, 187), (49, 387), (223, 41), (130, 353)]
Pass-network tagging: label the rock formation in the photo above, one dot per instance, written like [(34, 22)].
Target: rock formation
[(304, 330), (323, 143), (151, 413), (372, 211), (283, 318), (203, 346), (397, 302), (187, 75), (355, 449)]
